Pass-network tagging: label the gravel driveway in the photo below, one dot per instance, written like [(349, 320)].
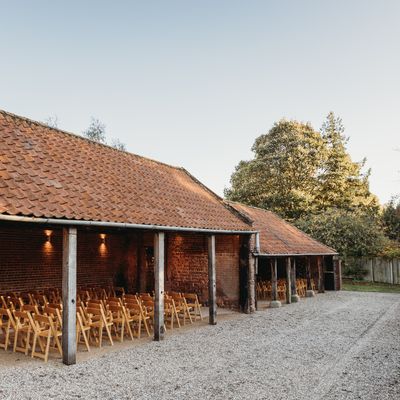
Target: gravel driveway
[(342, 345)]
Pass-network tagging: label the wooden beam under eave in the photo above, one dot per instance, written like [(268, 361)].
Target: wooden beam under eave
[(69, 295)]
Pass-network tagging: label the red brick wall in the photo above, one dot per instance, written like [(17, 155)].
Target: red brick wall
[(28, 261), (187, 266)]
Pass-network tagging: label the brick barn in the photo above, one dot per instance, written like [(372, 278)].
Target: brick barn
[(286, 253), (76, 213)]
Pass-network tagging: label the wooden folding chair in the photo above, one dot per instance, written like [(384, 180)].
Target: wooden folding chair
[(135, 305), (23, 330), (170, 313), (56, 325), (99, 322), (82, 328), (194, 305), (43, 329), (181, 306), (118, 319), (134, 316), (6, 323)]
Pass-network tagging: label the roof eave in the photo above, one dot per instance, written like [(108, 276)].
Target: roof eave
[(107, 224), (295, 254)]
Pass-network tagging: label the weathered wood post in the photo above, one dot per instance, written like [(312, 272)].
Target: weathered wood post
[(337, 269), (159, 257), (310, 291), (251, 283), (288, 284), (212, 282), (321, 269), (294, 296), (69, 295), (275, 303), (256, 260)]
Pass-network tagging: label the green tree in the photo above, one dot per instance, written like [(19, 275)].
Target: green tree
[(297, 170), (352, 234), (284, 172), (391, 219), (342, 183)]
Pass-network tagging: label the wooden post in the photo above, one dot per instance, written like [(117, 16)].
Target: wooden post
[(251, 285), (308, 273), (288, 284), (321, 284), (274, 284), (310, 291), (69, 295), (212, 282), (338, 279), (293, 277), (159, 239), (294, 296), (256, 261)]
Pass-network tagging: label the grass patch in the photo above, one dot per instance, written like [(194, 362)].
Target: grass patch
[(371, 287)]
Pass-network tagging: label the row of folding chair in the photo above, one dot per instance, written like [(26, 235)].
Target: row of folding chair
[(29, 329)]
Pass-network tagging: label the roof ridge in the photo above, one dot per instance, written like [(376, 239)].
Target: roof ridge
[(233, 210), (75, 135), (287, 222)]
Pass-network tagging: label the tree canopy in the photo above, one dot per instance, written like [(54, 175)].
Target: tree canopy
[(391, 219), (352, 234), (97, 133), (297, 170)]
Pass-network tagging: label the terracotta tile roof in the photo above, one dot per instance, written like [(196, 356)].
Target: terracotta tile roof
[(48, 173), (280, 237)]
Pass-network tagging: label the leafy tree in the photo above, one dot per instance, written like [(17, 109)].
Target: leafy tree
[(391, 219), (284, 172), (352, 234), (297, 170), (117, 144), (96, 131), (342, 183)]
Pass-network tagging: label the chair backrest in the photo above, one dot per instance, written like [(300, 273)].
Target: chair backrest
[(133, 307), (190, 296), (41, 322), (54, 313), (21, 318), (5, 316), (30, 308)]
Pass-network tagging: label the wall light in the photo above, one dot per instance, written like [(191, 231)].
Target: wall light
[(48, 233), (103, 238)]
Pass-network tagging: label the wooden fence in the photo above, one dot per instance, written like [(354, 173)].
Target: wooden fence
[(380, 269)]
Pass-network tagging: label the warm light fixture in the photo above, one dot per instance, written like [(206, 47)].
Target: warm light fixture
[(103, 238), (48, 233)]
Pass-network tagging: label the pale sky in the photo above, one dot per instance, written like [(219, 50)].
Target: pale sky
[(193, 83)]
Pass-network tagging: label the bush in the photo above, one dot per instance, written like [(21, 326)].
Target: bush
[(352, 234)]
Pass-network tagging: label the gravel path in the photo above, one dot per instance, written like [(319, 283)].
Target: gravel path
[(335, 346)]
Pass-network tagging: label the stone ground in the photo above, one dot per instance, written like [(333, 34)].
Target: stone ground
[(342, 345)]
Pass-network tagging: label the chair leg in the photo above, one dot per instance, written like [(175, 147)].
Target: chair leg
[(109, 334), (34, 345), (15, 340), (46, 355)]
